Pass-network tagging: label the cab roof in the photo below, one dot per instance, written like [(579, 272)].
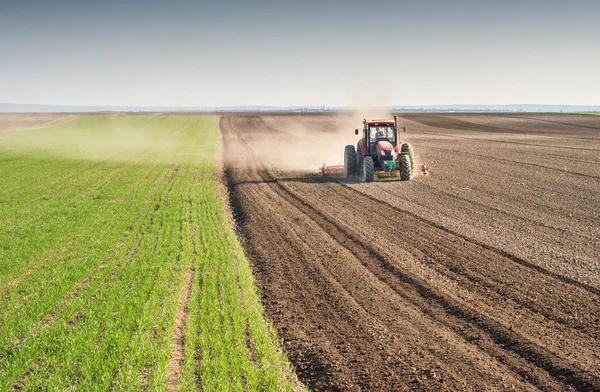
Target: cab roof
[(380, 122)]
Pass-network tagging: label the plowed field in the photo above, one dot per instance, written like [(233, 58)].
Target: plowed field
[(483, 275)]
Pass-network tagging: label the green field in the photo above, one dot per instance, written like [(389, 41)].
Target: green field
[(102, 220)]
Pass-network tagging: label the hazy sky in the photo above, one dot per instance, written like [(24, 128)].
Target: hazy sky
[(195, 53)]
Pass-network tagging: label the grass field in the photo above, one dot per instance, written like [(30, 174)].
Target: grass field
[(110, 230)]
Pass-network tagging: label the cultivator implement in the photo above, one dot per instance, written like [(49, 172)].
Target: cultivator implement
[(332, 170), (338, 170)]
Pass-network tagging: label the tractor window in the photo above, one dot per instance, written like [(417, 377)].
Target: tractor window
[(387, 131)]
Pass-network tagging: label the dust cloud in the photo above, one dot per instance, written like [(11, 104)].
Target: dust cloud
[(303, 142)]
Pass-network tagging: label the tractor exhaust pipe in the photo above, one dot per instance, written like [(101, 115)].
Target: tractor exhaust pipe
[(396, 125)]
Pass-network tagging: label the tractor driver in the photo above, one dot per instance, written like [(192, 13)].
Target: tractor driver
[(379, 133)]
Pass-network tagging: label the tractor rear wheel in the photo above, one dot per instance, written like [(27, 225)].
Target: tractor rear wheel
[(405, 167), (407, 149), (350, 164), (368, 169)]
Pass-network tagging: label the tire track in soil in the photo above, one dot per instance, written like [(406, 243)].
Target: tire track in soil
[(341, 345), (492, 284), (561, 123), (528, 152), (462, 123), (500, 252), (445, 310), (176, 355), (177, 343), (487, 157), (549, 146), (525, 357)]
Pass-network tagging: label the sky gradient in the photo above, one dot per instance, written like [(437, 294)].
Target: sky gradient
[(283, 53)]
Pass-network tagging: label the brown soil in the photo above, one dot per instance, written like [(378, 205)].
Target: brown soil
[(482, 276), (176, 356)]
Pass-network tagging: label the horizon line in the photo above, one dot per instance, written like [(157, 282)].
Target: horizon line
[(312, 106)]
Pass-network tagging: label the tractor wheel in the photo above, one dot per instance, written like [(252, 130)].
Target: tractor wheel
[(350, 164), (407, 149), (405, 167), (368, 169)]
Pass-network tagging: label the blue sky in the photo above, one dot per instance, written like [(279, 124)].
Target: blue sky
[(194, 53)]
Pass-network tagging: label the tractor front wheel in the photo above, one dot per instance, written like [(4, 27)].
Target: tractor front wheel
[(368, 169), (350, 164), (405, 167)]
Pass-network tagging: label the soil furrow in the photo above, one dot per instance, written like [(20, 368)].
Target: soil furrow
[(512, 142), (176, 355), (486, 157), (500, 252)]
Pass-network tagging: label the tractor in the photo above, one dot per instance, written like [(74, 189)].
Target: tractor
[(380, 153)]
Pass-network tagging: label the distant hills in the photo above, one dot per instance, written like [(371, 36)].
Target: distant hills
[(35, 108)]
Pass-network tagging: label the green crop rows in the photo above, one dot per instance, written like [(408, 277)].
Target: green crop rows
[(100, 220)]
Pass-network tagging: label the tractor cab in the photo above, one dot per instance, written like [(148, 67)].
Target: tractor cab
[(377, 134)]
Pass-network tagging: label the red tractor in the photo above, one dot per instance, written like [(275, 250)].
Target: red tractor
[(379, 152)]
